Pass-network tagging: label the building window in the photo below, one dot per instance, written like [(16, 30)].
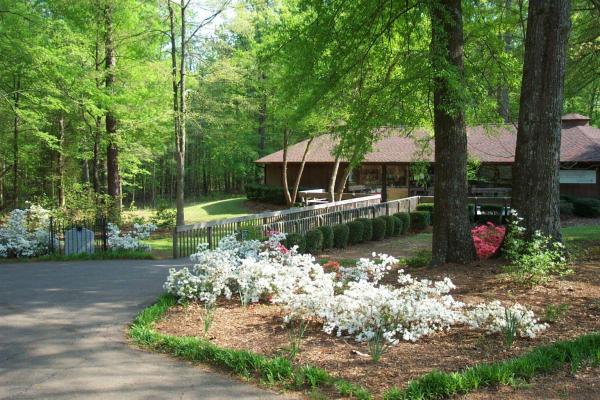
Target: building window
[(396, 176)]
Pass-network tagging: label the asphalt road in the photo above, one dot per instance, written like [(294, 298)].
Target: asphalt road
[(62, 336)]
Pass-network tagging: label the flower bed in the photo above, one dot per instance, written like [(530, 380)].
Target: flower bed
[(267, 325)]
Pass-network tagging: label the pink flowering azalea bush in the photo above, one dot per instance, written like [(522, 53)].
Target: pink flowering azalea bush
[(487, 239)]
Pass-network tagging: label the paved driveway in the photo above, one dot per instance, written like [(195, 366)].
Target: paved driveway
[(62, 336)]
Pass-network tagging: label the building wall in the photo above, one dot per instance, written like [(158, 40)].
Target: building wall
[(315, 176), (582, 190)]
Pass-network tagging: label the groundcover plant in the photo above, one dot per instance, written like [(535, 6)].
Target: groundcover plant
[(351, 302)]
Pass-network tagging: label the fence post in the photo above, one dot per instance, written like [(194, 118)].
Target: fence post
[(51, 235), (209, 237), (104, 234), (175, 249)]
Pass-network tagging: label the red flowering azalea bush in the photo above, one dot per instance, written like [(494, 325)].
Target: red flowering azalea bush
[(487, 239)]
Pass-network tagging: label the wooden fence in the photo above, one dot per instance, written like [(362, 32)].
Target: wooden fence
[(186, 238)]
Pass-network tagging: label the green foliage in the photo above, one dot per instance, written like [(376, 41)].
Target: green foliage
[(100, 255), (397, 226), (533, 260), (390, 226), (295, 239), (428, 207), (276, 370), (355, 232), (586, 207), (422, 258), (419, 220), (314, 241), (164, 217), (509, 331), (554, 312), (367, 229), (379, 228), (541, 360), (265, 193), (327, 232), (566, 207), (405, 218), (340, 236)]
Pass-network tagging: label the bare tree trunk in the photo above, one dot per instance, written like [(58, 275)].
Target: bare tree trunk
[(98, 120), (332, 179), (301, 170), (452, 240), (61, 160), (502, 94), (262, 118), (112, 154), (284, 170), (16, 131), (342, 183), (537, 157)]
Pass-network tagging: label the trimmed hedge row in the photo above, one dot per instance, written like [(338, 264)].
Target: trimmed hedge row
[(358, 231)]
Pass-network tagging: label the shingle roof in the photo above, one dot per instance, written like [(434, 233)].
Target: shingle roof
[(490, 144)]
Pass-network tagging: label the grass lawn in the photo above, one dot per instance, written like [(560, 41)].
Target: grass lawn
[(205, 211)]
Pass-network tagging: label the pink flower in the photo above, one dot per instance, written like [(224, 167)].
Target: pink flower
[(487, 239)]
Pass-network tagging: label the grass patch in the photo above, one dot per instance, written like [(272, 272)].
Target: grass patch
[(582, 242), (204, 211), (100, 255), (271, 371), (541, 360)]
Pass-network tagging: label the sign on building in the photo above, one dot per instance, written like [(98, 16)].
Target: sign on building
[(79, 240), (581, 176)]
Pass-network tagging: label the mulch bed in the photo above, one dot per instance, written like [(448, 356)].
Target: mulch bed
[(259, 328)]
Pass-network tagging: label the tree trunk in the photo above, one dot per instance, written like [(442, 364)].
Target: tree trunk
[(112, 154), (16, 131), (284, 170), (537, 156), (181, 132), (332, 179), (98, 120), (342, 183), (502, 94), (452, 240), (61, 160), (262, 118), (301, 171)]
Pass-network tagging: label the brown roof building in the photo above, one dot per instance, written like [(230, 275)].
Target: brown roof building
[(386, 168)]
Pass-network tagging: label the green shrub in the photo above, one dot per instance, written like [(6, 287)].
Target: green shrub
[(398, 226), (327, 232), (422, 258), (265, 193), (419, 220), (390, 226), (367, 229), (586, 207), (355, 232), (295, 239), (164, 217), (427, 207), (490, 213), (314, 241), (379, 228), (340, 236), (566, 207), (405, 218)]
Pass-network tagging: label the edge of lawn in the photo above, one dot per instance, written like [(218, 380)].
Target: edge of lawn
[(279, 371)]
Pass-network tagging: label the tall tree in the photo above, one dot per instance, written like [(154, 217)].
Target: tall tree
[(537, 157), (451, 235)]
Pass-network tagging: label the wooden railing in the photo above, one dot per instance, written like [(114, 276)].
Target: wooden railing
[(186, 238)]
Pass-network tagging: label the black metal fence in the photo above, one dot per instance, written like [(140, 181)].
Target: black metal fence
[(69, 237)]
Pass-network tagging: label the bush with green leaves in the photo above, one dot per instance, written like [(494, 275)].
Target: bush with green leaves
[(586, 207), (566, 207), (390, 226), (296, 239), (367, 229), (314, 241), (405, 218), (419, 220), (426, 207), (164, 217), (327, 232), (355, 232), (421, 258), (340, 236), (265, 193), (379, 224), (535, 259), (397, 226)]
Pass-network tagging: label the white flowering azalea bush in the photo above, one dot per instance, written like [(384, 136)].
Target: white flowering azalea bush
[(25, 233), (533, 260), (131, 241), (494, 318), (353, 303)]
